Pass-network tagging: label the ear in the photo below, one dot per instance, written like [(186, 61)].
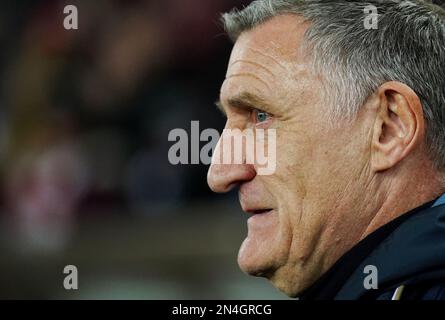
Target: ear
[(399, 127)]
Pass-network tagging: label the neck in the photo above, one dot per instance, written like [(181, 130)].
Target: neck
[(400, 198)]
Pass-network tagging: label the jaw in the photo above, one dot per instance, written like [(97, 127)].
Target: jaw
[(292, 280)]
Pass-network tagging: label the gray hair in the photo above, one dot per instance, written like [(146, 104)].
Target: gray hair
[(408, 46)]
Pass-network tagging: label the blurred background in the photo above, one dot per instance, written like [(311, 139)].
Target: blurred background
[(85, 177)]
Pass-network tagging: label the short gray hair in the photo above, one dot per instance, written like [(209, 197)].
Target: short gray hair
[(408, 46)]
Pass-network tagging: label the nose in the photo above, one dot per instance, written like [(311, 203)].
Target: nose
[(223, 177)]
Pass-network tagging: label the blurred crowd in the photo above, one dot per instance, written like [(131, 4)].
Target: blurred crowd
[(85, 114)]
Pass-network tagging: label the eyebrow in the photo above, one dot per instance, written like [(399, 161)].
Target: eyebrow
[(244, 100)]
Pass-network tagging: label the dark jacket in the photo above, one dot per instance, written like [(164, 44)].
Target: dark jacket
[(409, 254)]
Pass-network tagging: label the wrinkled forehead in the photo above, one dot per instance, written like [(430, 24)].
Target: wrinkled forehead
[(268, 59), (278, 39)]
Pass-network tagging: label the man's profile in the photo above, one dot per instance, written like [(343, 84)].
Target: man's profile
[(359, 115)]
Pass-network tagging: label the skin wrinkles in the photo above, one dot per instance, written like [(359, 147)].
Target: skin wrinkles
[(265, 83), (259, 65), (291, 129), (278, 63), (333, 184)]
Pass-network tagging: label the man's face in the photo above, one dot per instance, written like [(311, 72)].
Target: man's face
[(299, 221)]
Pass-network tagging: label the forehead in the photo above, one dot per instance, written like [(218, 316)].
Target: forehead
[(268, 59), (281, 35)]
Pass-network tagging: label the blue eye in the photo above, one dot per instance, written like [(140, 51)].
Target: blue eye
[(261, 116)]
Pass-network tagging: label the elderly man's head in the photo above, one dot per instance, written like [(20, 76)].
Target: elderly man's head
[(360, 119)]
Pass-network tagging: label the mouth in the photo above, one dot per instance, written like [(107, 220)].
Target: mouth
[(260, 218), (256, 212), (259, 211)]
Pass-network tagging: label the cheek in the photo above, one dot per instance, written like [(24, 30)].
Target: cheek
[(295, 180), (288, 188), (293, 167), (307, 161), (294, 150)]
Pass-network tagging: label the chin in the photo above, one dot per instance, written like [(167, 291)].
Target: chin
[(285, 282), (289, 279), (266, 247), (256, 263)]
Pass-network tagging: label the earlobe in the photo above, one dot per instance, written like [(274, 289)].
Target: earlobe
[(399, 125)]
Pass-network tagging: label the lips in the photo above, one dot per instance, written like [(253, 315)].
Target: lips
[(256, 210), (259, 211), (261, 219), (251, 207)]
